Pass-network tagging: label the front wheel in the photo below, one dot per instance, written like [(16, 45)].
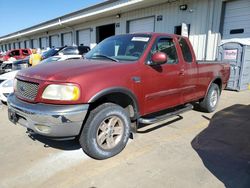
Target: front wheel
[(210, 102), (106, 131)]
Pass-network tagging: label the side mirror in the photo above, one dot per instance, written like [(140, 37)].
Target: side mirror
[(158, 58)]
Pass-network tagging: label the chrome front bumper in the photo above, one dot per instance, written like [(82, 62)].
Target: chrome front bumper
[(46, 119)]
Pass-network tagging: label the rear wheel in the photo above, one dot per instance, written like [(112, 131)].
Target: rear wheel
[(211, 100), (106, 131)]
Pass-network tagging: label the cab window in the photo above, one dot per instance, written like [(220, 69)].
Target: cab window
[(186, 52), (167, 46)]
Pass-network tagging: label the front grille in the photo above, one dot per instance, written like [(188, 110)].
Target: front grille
[(26, 90)]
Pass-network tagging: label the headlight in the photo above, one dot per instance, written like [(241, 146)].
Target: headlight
[(8, 83), (61, 92)]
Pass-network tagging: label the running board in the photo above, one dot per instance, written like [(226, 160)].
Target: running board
[(165, 116)]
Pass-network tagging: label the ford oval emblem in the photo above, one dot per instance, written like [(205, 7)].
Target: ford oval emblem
[(22, 88)]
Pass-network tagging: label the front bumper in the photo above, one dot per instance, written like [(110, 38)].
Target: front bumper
[(46, 119)]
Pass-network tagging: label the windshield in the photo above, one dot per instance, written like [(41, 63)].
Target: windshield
[(51, 59), (121, 47), (50, 53)]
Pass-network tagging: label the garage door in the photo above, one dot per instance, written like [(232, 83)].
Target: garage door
[(142, 25), (35, 43), (54, 41), (83, 37), (43, 43), (67, 39), (236, 21), (17, 45), (27, 44), (22, 44)]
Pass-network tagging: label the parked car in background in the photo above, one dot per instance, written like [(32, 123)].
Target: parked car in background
[(51, 52), (21, 64), (66, 50), (16, 54), (77, 50), (6, 85), (6, 76), (5, 67), (66, 53), (1, 57), (7, 79), (61, 58)]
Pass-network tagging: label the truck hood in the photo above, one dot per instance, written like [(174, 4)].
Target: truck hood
[(66, 70)]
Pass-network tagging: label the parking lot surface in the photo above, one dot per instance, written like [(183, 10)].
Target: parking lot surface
[(192, 150)]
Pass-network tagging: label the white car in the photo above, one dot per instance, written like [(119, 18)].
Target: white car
[(7, 79), (61, 57), (6, 85)]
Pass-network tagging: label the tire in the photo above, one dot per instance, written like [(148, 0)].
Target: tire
[(210, 102), (106, 131)]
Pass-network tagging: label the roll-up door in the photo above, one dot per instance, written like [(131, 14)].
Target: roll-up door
[(35, 43), (142, 25), (236, 20), (22, 44), (83, 37), (27, 44), (67, 39), (17, 45), (54, 41), (43, 43)]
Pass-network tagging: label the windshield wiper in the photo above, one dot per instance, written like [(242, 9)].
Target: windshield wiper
[(107, 57)]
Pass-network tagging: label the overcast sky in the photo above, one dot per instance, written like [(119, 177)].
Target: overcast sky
[(16, 15)]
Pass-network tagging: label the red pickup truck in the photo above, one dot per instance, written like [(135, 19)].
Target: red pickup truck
[(124, 80)]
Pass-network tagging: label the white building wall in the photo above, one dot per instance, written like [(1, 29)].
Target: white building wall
[(202, 15), (237, 16), (197, 16)]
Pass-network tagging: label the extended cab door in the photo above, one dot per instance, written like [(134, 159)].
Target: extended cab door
[(161, 83), (189, 70)]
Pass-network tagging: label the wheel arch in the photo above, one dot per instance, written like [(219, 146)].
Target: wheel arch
[(217, 80), (118, 95)]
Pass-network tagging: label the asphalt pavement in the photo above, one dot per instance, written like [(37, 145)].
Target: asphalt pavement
[(193, 150)]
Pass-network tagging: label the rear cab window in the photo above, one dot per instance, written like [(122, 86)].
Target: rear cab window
[(167, 46), (25, 52), (185, 49)]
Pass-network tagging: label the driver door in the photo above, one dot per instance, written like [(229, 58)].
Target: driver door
[(162, 82)]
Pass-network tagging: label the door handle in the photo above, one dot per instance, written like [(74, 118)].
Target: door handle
[(182, 72)]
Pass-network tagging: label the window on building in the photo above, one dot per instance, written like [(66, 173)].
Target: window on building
[(178, 29), (186, 52), (236, 31)]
